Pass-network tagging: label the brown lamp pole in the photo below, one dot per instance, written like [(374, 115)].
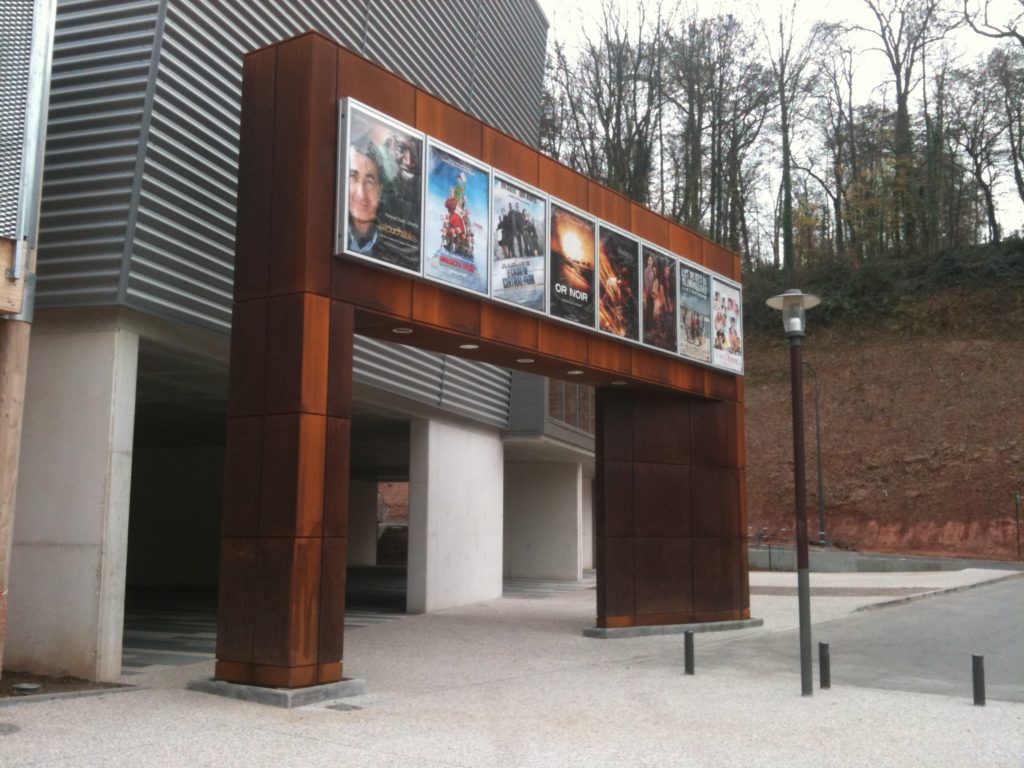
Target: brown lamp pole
[(794, 305)]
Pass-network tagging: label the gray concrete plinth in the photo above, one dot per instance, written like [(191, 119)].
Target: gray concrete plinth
[(281, 697), (604, 633)]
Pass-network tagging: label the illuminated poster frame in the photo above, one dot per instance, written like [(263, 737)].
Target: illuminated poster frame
[(512, 272)]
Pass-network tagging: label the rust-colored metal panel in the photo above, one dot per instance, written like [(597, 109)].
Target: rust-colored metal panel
[(247, 379), (287, 613), (688, 377), (721, 386), (336, 477), (332, 600), (305, 140), (236, 598), (434, 305), (561, 341), (685, 243), (342, 349), (609, 355), (715, 502), (269, 675), (649, 225), (718, 575), (614, 438), (255, 183), (718, 259), (661, 427), (608, 205), (564, 183), (615, 571), (713, 432), (376, 87), (448, 124), (243, 466), (297, 352), (615, 481), (329, 673), (370, 288), (510, 156), (509, 326), (294, 447), (652, 367), (661, 500), (664, 578)]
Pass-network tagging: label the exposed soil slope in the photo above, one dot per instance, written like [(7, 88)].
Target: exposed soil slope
[(922, 439)]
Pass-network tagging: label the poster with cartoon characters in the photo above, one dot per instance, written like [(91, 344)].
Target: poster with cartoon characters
[(727, 320), (519, 219), (455, 219), (694, 313)]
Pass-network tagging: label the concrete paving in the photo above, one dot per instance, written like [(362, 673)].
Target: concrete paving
[(512, 682)]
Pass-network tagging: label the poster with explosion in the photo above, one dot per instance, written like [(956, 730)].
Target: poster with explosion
[(572, 266), (378, 209), (694, 313), (519, 219), (659, 299), (727, 317), (455, 219), (619, 284)]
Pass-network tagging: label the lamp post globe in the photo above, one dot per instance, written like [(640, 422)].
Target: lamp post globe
[(794, 305)]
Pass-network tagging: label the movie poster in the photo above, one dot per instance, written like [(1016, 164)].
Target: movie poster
[(455, 222), (518, 227), (659, 300), (727, 317), (619, 270), (383, 166), (572, 266), (694, 313)]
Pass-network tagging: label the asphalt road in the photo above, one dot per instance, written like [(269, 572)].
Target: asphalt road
[(923, 646)]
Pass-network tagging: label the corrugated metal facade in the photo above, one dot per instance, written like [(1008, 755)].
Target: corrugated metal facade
[(140, 186)]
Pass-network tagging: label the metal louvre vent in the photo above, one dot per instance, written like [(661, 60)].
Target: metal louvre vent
[(16, 17), (478, 390)]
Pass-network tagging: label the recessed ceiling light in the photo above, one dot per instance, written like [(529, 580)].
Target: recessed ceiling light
[(402, 330), (469, 346), (575, 372), (524, 360), (618, 383)]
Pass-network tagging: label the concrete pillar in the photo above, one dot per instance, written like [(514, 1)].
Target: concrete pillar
[(587, 531), (362, 522), (455, 513), (543, 520), (71, 527)]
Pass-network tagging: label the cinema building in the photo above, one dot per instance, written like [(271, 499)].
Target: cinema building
[(219, 382)]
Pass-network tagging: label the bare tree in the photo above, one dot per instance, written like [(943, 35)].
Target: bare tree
[(981, 18), (1006, 71)]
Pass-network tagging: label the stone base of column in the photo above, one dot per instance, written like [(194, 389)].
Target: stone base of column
[(281, 697)]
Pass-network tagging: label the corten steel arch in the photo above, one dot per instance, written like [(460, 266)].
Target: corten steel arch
[(670, 505)]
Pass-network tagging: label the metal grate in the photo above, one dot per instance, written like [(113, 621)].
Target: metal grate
[(16, 18)]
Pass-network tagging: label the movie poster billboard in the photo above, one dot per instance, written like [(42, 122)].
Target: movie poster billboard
[(380, 204), (694, 313), (618, 284), (455, 219), (659, 300), (727, 318), (519, 220), (573, 245)]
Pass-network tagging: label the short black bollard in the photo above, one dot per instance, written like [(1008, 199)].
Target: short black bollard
[(688, 651), (978, 668), (824, 666)]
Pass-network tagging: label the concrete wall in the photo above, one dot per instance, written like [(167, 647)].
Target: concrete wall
[(71, 524), (543, 520), (587, 528), (362, 523), (174, 527), (455, 514)]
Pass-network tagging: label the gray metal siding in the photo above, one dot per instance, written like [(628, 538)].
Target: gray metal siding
[(476, 390)]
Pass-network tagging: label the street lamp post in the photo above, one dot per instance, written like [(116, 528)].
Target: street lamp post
[(794, 306), (822, 539)]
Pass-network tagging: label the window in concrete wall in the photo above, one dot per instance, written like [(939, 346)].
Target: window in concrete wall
[(571, 404)]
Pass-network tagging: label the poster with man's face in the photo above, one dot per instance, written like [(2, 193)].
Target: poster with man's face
[(573, 242), (659, 299), (455, 231), (618, 266), (381, 205)]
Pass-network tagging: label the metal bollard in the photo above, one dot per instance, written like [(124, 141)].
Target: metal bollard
[(978, 669), (688, 651), (824, 666)]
